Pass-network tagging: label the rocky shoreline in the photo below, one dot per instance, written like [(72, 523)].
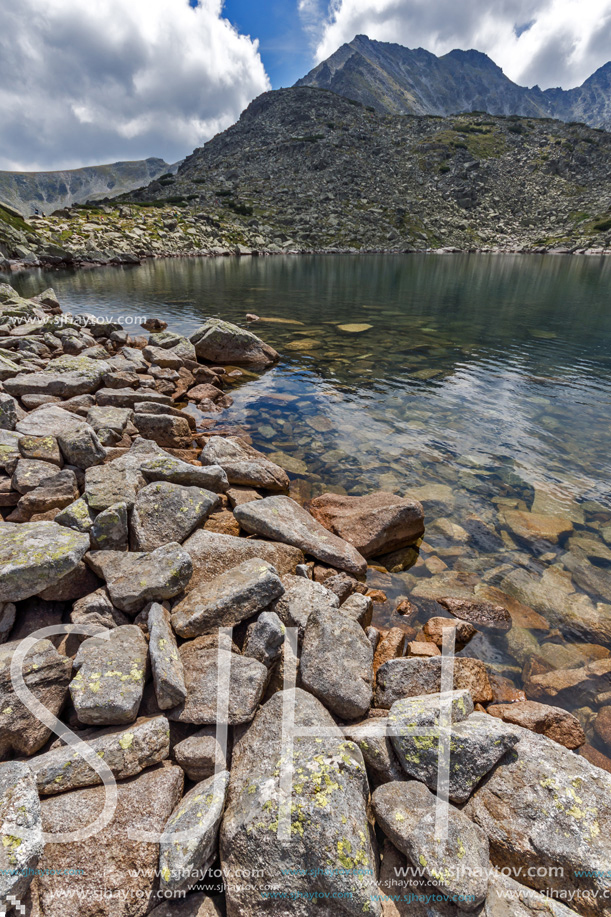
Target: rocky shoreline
[(138, 534)]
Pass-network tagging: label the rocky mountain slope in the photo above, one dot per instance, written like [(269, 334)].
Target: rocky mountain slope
[(47, 191), (307, 170), (399, 80)]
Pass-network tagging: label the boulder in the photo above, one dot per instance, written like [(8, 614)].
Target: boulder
[(165, 512), (109, 531), (9, 412), (281, 519), (35, 555), (195, 905), (46, 674), (375, 524), (228, 599), (166, 665), (189, 843), (553, 722), (217, 341), (96, 610), (117, 864), (337, 663), (373, 739), (212, 554), (329, 833), (54, 493), (463, 632), (399, 678), (359, 608), (164, 429), (31, 473), (301, 597), (507, 898), (126, 752), (476, 743), (457, 865), (203, 666), (244, 465), (9, 450), (134, 579), (115, 482), (534, 528), (20, 829), (546, 807), (65, 376), (111, 673)]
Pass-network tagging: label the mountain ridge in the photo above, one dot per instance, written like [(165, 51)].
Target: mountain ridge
[(397, 80)]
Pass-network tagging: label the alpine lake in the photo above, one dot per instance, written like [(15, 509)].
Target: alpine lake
[(480, 384)]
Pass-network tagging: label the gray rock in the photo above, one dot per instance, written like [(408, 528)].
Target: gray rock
[(281, 519), (50, 420), (301, 597), (476, 745), (164, 429), (195, 905), (371, 737), (264, 638), (126, 752), (189, 843), (337, 663), (35, 555), (116, 482), (76, 516), (117, 864), (134, 579), (128, 398), (65, 376), (410, 677), (458, 865), (548, 807), (97, 610), (109, 418), (166, 664), (7, 619), (326, 815), (81, 447), (41, 448), (110, 531), (166, 512), (200, 754), (228, 599), (30, 474), (161, 466), (46, 674), (221, 342), (107, 688), (9, 412), (8, 368), (359, 608), (507, 898), (247, 680), (20, 829), (244, 465)]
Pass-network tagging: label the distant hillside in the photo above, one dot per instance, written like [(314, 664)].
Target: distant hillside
[(397, 80), (48, 191)]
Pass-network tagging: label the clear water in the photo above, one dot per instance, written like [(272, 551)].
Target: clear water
[(490, 375)]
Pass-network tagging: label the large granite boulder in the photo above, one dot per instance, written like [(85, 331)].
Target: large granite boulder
[(375, 524), (65, 376), (281, 519), (553, 722), (111, 673), (244, 465), (547, 813), (301, 597), (136, 578), (36, 555), (126, 751), (410, 677), (337, 663), (117, 864), (327, 848), (166, 664), (227, 599), (190, 840), (46, 674), (218, 341), (165, 512)]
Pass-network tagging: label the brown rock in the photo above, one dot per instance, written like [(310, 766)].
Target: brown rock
[(521, 615), (463, 631), (595, 757), (204, 392), (390, 646), (224, 523), (422, 649), (534, 527), (602, 726), (504, 691), (482, 614), (553, 722), (115, 867), (410, 677), (375, 524), (586, 681)]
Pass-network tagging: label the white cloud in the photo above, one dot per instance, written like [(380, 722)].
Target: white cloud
[(91, 81), (549, 42)]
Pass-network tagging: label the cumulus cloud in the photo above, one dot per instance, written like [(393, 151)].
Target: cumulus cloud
[(549, 42), (91, 81)]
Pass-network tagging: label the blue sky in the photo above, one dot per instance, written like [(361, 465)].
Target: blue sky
[(284, 46)]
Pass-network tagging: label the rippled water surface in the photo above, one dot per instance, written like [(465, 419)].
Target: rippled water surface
[(481, 383)]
